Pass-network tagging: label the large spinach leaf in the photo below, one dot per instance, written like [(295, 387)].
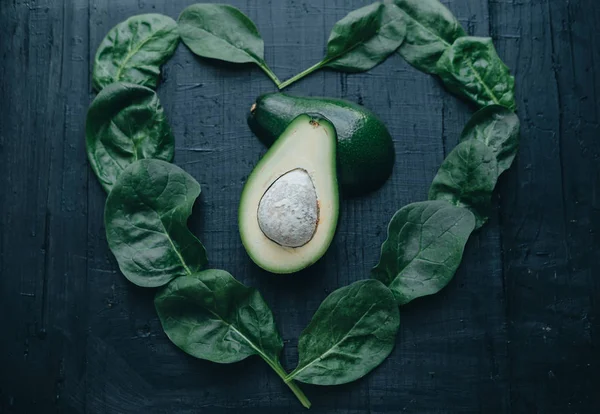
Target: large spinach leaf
[(212, 316), (498, 128), (431, 30), (423, 249), (134, 50), (467, 178), (220, 31), (351, 333), (471, 68), (361, 40), (125, 123), (145, 218)]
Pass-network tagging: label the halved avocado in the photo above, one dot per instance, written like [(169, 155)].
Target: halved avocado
[(290, 203)]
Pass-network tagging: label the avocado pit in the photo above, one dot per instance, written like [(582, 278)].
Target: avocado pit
[(288, 212)]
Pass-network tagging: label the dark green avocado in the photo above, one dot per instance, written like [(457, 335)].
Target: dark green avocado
[(365, 150)]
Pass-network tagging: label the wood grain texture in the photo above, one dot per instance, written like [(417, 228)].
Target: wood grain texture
[(516, 331), (550, 226)]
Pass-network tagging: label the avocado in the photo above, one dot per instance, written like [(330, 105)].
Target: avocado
[(365, 151), (290, 203)]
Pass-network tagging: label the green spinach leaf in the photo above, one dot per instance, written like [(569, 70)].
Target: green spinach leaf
[(361, 40), (423, 249), (431, 30), (212, 316), (125, 123), (365, 38), (467, 178), (145, 218), (498, 128), (351, 333), (220, 31), (471, 68), (134, 50)]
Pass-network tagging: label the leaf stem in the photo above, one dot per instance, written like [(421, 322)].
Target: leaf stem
[(304, 73), (270, 73), (276, 366)]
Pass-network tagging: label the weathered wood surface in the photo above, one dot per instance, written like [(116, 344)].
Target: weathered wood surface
[(518, 329)]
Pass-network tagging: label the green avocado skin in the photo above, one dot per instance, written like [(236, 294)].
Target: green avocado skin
[(365, 150)]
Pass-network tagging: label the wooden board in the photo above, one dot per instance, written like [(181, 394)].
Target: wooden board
[(516, 331)]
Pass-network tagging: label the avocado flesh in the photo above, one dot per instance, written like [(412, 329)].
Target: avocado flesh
[(289, 205), (365, 150)]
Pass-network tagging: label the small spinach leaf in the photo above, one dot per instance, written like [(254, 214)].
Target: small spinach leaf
[(145, 218), (467, 178), (125, 123), (361, 40), (365, 38), (212, 316), (351, 333), (498, 128), (423, 249), (134, 50), (471, 68), (220, 31), (431, 29)]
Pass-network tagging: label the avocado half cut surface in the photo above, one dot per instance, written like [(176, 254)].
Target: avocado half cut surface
[(365, 151), (290, 203)]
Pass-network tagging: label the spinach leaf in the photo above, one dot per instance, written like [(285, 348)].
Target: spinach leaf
[(365, 38), (220, 31), (134, 50), (145, 218), (212, 316), (125, 123), (467, 178), (431, 30), (423, 249), (471, 68), (498, 128), (351, 333), (361, 40)]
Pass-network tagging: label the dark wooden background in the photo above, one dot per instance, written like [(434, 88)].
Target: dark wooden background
[(517, 330)]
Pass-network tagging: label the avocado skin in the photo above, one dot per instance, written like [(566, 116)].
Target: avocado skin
[(365, 150)]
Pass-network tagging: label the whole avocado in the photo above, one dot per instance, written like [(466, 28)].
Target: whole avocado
[(365, 149)]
